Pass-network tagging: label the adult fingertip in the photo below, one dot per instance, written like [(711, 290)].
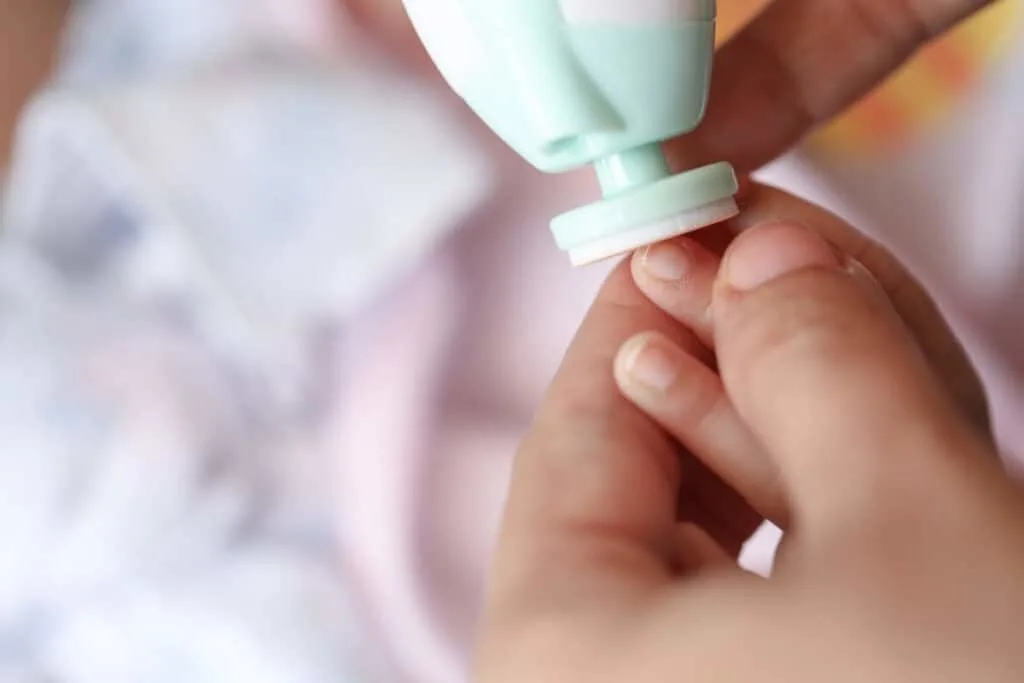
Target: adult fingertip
[(821, 368), (770, 251)]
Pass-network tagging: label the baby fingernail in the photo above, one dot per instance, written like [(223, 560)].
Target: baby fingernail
[(649, 362), (668, 262), (768, 252)]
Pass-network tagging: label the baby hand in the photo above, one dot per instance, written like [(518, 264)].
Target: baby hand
[(837, 403)]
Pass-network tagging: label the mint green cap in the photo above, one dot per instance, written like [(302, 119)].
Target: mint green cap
[(567, 83), (645, 204)]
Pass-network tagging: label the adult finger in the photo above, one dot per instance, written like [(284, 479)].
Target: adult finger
[(678, 276), (911, 300), (829, 379), (801, 62)]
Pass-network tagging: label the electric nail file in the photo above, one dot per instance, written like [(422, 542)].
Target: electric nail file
[(567, 83)]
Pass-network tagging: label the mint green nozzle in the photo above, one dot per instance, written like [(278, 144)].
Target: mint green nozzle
[(568, 83), (631, 169)]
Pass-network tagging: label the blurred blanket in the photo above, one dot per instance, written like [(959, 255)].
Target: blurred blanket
[(203, 207), (274, 324)]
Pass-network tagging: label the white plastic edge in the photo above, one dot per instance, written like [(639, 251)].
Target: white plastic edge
[(652, 233)]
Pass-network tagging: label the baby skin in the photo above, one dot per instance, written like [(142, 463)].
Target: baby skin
[(790, 371)]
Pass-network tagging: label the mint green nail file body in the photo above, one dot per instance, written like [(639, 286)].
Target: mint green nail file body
[(571, 83)]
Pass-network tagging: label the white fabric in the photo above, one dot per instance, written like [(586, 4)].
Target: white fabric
[(199, 206)]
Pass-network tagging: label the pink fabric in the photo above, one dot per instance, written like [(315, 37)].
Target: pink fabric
[(449, 373), (459, 361)]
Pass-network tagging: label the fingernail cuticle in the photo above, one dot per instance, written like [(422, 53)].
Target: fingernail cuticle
[(651, 366), (667, 262)]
